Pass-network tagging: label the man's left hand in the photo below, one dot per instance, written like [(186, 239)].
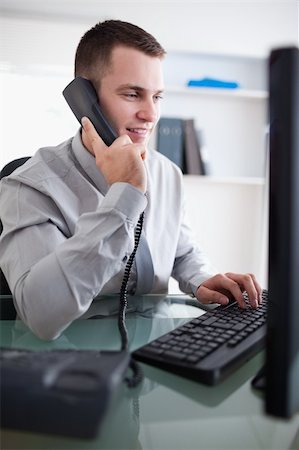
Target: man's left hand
[(223, 287)]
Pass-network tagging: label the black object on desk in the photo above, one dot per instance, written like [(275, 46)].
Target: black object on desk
[(64, 392), (211, 347)]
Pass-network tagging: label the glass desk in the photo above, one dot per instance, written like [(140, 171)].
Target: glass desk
[(165, 411)]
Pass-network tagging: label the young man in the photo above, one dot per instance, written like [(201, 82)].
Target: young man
[(70, 212)]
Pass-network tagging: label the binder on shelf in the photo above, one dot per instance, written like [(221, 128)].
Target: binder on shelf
[(170, 139), (204, 152), (193, 157)]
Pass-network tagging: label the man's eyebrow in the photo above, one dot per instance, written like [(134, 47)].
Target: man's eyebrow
[(137, 88)]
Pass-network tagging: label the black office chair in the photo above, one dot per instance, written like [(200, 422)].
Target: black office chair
[(7, 309)]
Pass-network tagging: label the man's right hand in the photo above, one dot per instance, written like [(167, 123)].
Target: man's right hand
[(121, 162)]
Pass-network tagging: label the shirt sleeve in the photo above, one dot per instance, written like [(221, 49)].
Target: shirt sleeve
[(54, 277)]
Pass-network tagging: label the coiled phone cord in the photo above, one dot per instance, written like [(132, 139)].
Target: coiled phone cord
[(137, 376)]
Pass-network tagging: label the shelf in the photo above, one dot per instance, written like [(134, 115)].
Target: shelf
[(249, 73), (231, 93), (210, 179), (232, 121)]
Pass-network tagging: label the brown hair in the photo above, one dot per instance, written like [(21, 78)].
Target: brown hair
[(95, 47)]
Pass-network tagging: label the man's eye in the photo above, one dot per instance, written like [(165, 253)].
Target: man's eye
[(158, 97), (131, 95)]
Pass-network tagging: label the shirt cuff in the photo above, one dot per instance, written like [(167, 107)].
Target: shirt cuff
[(197, 281), (127, 199)]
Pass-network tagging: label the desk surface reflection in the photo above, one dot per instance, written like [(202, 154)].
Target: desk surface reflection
[(165, 411)]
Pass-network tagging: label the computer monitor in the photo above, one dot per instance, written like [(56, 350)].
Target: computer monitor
[(282, 344)]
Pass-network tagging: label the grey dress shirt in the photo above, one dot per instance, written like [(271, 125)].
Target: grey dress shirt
[(67, 235)]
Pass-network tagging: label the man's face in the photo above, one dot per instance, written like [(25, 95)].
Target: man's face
[(130, 93)]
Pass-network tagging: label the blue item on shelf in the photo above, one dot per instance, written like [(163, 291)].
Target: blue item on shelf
[(213, 83)]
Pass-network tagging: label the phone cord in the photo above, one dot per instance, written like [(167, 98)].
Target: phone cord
[(137, 376)]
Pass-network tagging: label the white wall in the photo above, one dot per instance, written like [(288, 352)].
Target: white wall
[(227, 216), (244, 27)]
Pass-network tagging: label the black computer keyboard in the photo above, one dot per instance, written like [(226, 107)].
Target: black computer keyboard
[(209, 348), (65, 392)]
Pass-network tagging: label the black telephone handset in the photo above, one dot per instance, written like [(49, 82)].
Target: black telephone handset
[(83, 101)]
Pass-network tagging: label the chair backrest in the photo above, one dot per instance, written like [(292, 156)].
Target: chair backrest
[(13, 165), (7, 310)]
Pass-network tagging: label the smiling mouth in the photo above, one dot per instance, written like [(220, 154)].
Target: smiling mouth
[(140, 131)]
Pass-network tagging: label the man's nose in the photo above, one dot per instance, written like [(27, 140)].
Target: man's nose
[(148, 111)]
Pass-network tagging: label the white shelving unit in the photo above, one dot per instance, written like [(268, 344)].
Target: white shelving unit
[(238, 93), (228, 217), (233, 121), (226, 210)]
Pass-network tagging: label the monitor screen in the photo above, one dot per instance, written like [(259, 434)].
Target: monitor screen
[(282, 345)]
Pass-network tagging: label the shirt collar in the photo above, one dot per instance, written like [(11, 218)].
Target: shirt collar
[(87, 162)]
